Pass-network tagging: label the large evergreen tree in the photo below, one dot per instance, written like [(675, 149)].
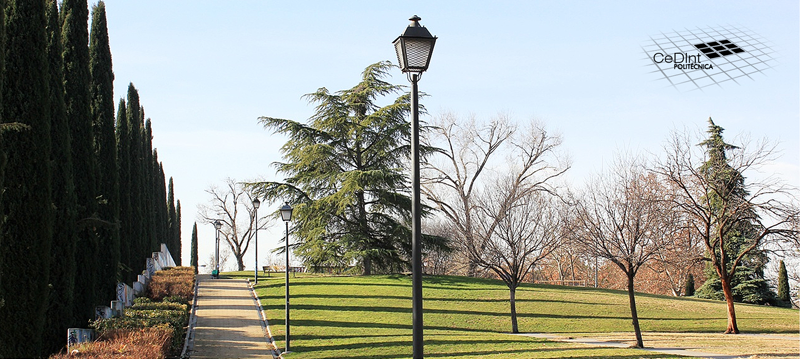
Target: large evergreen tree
[(173, 218), (27, 205), (60, 314), (178, 246), (126, 211), (139, 241), (345, 175), (2, 127), (151, 185), (77, 99), (105, 150), (194, 260), (160, 188), (747, 284)]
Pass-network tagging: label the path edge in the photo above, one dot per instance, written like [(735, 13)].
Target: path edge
[(276, 353)]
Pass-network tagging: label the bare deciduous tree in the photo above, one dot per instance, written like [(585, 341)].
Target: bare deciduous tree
[(233, 206), (505, 224), (716, 211), (622, 219)]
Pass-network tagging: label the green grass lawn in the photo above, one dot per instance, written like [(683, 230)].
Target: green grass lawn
[(370, 317)]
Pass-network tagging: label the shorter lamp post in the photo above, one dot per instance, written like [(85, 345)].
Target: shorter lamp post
[(215, 273), (286, 215), (256, 204)]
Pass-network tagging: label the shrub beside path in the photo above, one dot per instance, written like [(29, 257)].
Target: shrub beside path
[(228, 324)]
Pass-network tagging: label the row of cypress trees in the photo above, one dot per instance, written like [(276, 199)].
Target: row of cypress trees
[(84, 200)]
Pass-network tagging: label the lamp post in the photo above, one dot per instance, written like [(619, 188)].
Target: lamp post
[(215, 273), (414, 48), (256, 204), (286, 215)]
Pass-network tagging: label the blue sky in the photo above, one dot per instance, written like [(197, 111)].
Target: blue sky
[(206, 70)]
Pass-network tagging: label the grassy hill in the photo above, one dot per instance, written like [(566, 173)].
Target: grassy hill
[(370, 317)]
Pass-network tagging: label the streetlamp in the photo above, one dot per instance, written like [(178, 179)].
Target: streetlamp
[(256, 204), (286, 215), (215, 273), (414, 48)]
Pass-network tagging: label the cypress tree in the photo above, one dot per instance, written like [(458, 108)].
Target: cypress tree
[(105, 150), (2, 152), (27, 205), (688, 289), (125, 210), (178, 245), (151, 185), (60, 314), (194, 248), (137, 222), (75, 40), (173, 217), (783, 284), (161, 200)]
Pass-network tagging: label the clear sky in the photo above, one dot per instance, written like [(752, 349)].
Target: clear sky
[(206, 70)]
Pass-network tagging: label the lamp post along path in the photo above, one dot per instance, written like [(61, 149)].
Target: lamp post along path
[(217, 226), (414, 48), (256, 204), (286, 215)]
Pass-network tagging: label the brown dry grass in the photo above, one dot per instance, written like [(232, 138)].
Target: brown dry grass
[(177, 281), (756, 346), (148, 343)]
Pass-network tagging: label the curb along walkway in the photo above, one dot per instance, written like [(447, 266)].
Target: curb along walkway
[(229, 323)]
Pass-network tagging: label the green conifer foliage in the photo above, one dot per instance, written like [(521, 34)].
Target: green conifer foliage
[(783, 284), (27, 205), (105, 150), (60, 314), (194, 256), (151, 186), (747, 283), (173, 218), (139, 242), (160, 188), (2, 152), (178, 245), (125, 212), (345, 176), (77, 78)]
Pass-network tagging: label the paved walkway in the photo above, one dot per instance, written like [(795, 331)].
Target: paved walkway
[(229, 323)]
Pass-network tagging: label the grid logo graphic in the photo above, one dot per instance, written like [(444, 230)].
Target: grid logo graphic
[(716, 49), (695, 59)]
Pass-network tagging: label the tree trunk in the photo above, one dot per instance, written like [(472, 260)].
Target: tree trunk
[(472, 269), (367, 266), (726, 289), (634, 315), (240, 262), (513, 301)]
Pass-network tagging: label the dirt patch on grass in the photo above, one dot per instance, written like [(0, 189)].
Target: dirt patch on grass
[(754, 346)]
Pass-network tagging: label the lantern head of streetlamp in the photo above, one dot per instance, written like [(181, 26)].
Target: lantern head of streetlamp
[(217, 224), (414, 47), (256, 203), (286, 212)]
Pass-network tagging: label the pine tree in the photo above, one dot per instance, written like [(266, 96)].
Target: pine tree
[(105, 150), (60, 314), (688, 289), (194, 256), (783, 284), (345, 176), (125, 212), (747, 282), (27, 205), (77, 78)]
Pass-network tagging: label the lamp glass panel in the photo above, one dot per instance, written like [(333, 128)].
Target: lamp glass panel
[(418, 51)]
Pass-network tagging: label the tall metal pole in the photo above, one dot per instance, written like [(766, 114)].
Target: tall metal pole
[(416, 233), (216, 252), (287, 286), (255, 270)]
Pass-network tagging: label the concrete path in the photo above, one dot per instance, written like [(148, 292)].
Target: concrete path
[(229, 323), (595, 342)]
